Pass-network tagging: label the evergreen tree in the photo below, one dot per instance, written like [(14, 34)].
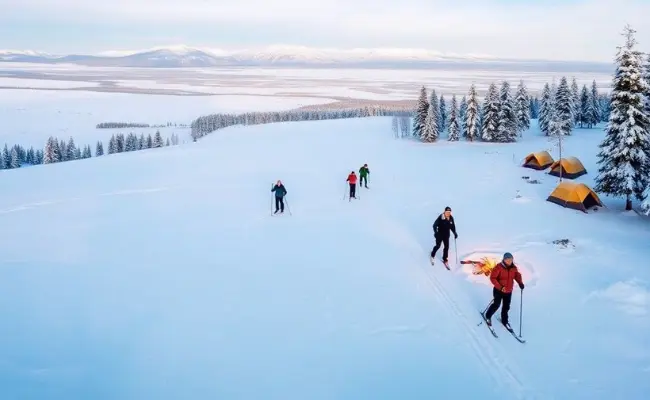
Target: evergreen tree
[(564, 107), (472, 115), (6, 157), (149, 142), (625, 151), (112, 145), (490, 128), (585, 103), (15, 160), (462, 112), (50, 154), (507, 125), (545, 109), (420, 116), (2, 161), (39, 157), (430, 129), (99, 149), (454, 125), (119, 142), (575, 100), (71, 150), (167, 143), (63, 151), (77, 153), (142, 142), (522, 108), (157, 140), (594, 108), (435, 102), (87, 152), (442, 115)]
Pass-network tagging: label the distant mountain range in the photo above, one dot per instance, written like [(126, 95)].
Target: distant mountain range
[(295, 56)]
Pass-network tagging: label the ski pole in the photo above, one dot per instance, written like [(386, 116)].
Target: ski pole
[(521, 305), (456, 250), (288, 208), (272, 198), (484, 311)]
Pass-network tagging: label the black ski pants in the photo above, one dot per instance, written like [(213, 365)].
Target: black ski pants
[(353, 190), (279, 204), (445, 250), (499, 296), (363, 181)]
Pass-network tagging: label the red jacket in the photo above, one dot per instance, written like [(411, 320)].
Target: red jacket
[(502, 276), (352, 178)]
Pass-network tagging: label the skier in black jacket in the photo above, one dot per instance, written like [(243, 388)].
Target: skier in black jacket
[(442, 228)]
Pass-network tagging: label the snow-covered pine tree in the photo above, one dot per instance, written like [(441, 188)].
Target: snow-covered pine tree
[(545, 109), (454, 125), (149, 141), (119, 141), (593, 110), (646, 74), (87, 152), (15, 159), (158, 140), (404, 126), (625, 152), (522, 108), (112, 145), (167, 142), (142, 142), (564, 107), (49, 153), (56, 145), (462, 112), (472, 115), (6, 157), (442, 115), (430, 128), (394, 124), (99, 149), (575, 100), (421, 109), (491, 106), (507, 125), (77, 153), (71, 150), (585, 102), (435, 103), (63, 151)]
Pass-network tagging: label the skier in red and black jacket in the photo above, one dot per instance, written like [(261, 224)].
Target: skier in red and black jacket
[(352, 180), (502, 278)]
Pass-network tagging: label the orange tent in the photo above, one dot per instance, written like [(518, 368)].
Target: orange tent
[(571, 168), (577, 196), (539, 161)]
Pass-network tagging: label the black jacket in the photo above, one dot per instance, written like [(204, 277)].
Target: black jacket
[(442, 227)]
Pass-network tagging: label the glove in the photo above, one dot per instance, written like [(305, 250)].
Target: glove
[(521, 286), (503, 289)]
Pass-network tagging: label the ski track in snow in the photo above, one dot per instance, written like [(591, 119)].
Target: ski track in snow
[(499, 366)]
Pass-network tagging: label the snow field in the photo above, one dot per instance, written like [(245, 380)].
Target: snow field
[(167, 262)]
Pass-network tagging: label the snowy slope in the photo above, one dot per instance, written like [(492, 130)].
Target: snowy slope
[(161, 274)]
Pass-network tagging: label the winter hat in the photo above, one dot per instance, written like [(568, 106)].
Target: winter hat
[(508, 256), (447, 208)]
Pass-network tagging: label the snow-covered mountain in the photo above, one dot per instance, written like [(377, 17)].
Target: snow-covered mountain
[(279, 55)]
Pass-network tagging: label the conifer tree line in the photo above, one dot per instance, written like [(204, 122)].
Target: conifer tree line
[(504, 113), (57, 150), (207, 124), (122, 125)]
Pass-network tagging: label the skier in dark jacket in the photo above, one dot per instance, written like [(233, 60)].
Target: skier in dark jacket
[(363, 175), (442, 229), (502, 277), (280, 192)]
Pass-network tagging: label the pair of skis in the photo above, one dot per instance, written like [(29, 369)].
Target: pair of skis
[(491, 328), (445, 263)]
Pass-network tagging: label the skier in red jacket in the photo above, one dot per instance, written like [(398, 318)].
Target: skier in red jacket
[(352, 180), (502, 277)]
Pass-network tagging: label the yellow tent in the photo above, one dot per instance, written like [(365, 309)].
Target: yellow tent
[(539, 161), (571, 168), (577, 196)]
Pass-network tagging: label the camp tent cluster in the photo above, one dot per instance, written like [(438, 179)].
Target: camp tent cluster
[(577, 196)]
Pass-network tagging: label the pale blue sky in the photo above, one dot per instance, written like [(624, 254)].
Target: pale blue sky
[(548, 29)]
